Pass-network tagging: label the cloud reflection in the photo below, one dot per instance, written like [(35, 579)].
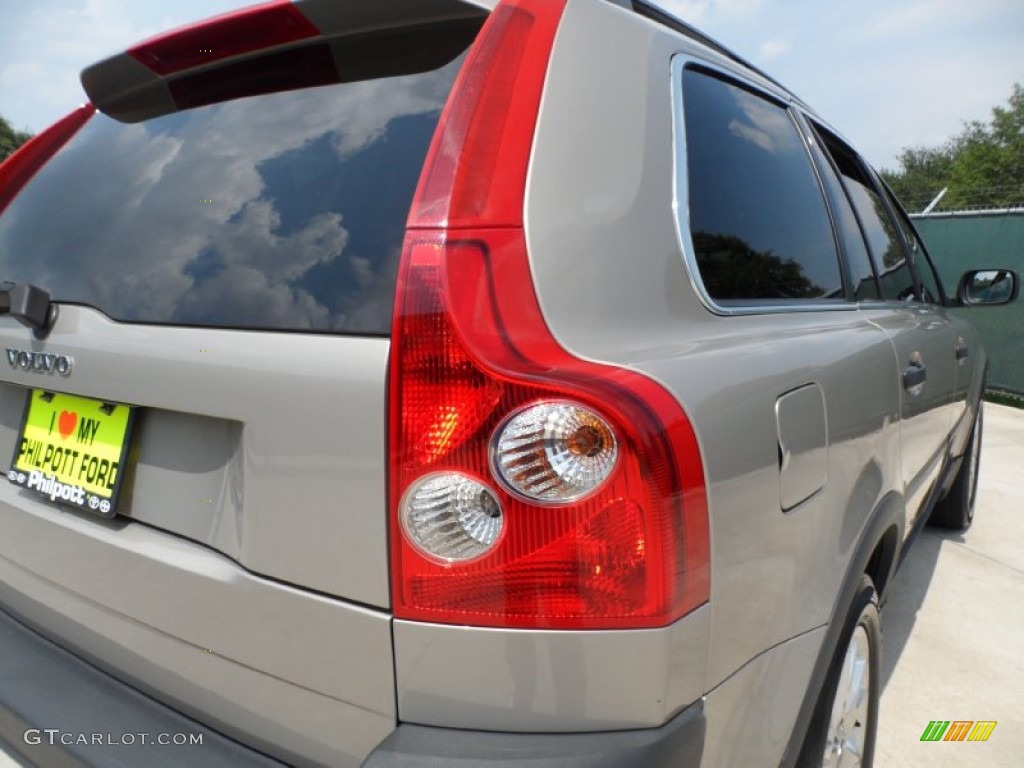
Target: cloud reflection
[(283, 211)]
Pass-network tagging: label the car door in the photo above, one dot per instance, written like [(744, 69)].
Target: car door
[(918, 326), (963, 337)]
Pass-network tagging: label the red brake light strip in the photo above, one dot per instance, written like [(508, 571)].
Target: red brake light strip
[(231, 34)]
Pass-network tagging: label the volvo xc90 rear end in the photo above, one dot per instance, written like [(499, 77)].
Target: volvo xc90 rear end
[(460, 383)]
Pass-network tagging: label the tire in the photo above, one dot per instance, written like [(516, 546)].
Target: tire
[(956, 509), (845, 721)]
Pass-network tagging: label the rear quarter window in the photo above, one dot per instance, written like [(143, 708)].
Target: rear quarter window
[(758, 222), (283, 211)]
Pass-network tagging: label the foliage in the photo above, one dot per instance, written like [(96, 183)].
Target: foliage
[(1004, 398), (10, 139), (982, 166), (731, 269)]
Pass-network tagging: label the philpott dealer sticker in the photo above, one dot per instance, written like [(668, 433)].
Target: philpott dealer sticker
[(72, 450)]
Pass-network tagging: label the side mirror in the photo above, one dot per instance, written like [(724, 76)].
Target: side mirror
[(988, 288)]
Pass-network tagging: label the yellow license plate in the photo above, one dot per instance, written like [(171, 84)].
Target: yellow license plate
[(72, 450)]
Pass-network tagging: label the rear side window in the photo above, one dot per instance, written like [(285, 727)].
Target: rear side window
[(758, 220), (858, 261), (283, 211), (895, 278), (932, 293)]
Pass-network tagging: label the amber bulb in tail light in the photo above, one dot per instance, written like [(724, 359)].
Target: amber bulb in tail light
[(553, 452)]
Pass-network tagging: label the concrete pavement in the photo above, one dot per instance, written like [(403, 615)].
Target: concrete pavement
[(953, 626)]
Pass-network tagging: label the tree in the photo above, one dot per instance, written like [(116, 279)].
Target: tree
[(924, 173), (10, 139), (982, 166), (731, 269)]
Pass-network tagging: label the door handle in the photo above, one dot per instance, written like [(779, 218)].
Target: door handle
[(962, 352), (914, 376)]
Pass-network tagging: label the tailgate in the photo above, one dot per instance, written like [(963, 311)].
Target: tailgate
[(267, 447), (228, 271)]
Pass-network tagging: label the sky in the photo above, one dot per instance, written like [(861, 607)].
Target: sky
[(887, 74)]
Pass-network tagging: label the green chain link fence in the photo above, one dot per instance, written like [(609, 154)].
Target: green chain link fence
[(967, 240)]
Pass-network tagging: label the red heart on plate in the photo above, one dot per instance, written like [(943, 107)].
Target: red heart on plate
[(67, 422)]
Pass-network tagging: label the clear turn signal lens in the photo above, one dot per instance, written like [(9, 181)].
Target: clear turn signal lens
[(451, 516), (554, 452)]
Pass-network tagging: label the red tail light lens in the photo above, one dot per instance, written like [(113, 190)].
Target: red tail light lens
[(470, 349), (632, 554), (18, 169), (476, 169)]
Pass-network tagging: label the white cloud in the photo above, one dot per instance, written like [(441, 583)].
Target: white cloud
[(206, 203), (921, 16), (877, 69), (885, 73), (905, 19), (46, 43), (737, 8), (772, 49)]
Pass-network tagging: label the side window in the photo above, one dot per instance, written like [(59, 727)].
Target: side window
[(758, 220), (895, 277), (925, 270), (858, 260)]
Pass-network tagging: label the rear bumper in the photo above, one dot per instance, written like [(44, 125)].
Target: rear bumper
[(679, 743), (57, 710), (296, 675)]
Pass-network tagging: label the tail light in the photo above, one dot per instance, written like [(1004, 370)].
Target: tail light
[(18, 169), (553, 452), (528, 488)]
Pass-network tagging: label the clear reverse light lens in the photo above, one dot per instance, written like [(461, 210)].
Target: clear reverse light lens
[(554, 452), (451, 516)]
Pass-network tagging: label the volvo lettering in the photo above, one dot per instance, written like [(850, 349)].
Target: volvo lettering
[(39, 362)]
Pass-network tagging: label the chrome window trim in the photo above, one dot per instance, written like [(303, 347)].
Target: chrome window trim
[(681, 198)]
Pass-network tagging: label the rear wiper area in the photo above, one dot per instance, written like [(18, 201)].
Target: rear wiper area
[(29, 305)]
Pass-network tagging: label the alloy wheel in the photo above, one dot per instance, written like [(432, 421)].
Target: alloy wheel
[(847, 727)]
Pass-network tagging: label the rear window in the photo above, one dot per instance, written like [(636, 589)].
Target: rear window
[(283, 211)]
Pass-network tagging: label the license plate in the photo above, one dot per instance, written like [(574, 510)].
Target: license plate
[(72, 450)]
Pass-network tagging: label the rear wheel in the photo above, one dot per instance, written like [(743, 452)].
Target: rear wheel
[(845, 722), (956, 509)]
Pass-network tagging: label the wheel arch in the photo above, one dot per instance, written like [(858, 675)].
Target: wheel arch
[(882, 564), (876, 554)]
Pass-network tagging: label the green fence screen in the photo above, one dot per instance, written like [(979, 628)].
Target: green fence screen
[(962, 241)]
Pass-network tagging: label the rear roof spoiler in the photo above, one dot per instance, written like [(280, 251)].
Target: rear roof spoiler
[(164, 73)]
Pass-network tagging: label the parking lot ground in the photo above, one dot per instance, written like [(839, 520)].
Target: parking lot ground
[(7, 758), (953, 627)]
